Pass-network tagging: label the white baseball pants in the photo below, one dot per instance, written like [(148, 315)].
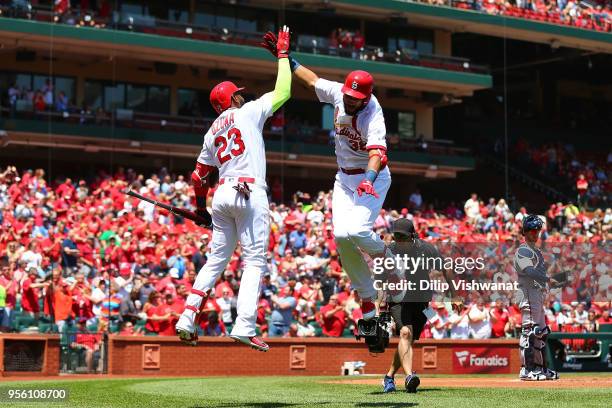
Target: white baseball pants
[(353, 218), (235, 218)]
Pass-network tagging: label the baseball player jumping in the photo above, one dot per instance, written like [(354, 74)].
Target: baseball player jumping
[(363, 178), (234, 144), (533, 279)]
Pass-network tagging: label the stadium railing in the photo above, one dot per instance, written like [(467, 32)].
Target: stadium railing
[(596, 355), (305, 43), (127, 119)]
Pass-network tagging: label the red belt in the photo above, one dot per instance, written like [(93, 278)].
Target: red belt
[(352, 172), (239, 179)]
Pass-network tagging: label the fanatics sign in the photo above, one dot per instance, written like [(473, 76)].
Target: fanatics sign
[(470, 360)]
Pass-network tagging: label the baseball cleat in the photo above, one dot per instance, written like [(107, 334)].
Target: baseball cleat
[(388, 384), (412, 383), (551, 374), (368, 309), (187, 337), (532, 376), (254, 342)]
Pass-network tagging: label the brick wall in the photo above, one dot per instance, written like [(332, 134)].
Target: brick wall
[(51, 357), (166, 356), (221, 356)]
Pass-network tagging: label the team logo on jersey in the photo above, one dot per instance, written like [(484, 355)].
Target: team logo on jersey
[(354, 85)]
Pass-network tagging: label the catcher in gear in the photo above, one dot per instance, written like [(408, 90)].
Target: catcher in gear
[(532, 282)]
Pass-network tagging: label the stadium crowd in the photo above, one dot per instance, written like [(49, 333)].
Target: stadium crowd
[(590, 14), (78, 255), (585, 175), (593, 15)]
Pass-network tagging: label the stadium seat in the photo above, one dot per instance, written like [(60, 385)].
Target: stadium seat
[(24, 321), (318, 329), (139, 325), (44, 327)]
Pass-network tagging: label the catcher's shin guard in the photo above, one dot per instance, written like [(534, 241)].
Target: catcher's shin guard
[(532, 345), (526, 349)]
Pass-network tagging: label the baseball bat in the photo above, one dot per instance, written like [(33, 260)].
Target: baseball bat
[(181, 212)]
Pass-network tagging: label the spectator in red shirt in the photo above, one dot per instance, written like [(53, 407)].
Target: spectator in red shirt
[(87, 341), (128, 329), (332, 318), (30, 293), (605, 318), (263, 311), (175, 309), (358, 44), (515, 319), (156, 314), (209, 307), (582, 185), (499, 320)]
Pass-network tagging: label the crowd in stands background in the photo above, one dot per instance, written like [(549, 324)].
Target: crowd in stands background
[(47, 99), (585, 175), (81, 255), (592, 14)]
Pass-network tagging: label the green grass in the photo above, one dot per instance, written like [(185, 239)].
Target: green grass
[(290, 392)]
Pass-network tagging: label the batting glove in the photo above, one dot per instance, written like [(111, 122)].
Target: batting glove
[(205, 218), (366, 187), (278, 46), (269, 42), (282, 43)]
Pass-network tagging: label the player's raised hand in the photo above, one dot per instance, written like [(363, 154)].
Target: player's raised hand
[(269, 42), (366, 187), (282, 43)]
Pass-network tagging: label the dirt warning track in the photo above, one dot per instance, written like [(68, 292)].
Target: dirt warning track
[(582, 381)]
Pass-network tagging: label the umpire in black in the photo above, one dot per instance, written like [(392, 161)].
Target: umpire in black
[(407, 308)]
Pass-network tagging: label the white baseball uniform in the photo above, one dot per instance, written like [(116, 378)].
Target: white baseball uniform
[(234, 143), (354, 216)]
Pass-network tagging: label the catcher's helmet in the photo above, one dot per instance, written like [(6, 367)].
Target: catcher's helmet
[(221, 95), (358, 84), (403, 226), (532, 222)]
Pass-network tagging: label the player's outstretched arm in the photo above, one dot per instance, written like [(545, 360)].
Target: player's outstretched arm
[(306, 76), (282, 89), (271, 43)]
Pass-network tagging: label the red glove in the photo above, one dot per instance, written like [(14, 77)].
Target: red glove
[(366, 187), (282, 44), (279, 47), (269, 42)]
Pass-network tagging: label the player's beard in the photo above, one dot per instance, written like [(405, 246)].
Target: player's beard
[(352, 108)]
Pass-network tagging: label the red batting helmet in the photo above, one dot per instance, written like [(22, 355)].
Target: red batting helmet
[(358, 84), (221, 95)]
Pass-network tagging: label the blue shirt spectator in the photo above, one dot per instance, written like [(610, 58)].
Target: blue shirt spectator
[(282, 314), (69, 252), (298, 239)]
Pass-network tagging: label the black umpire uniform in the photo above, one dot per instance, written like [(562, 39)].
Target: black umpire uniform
[(409, 310)]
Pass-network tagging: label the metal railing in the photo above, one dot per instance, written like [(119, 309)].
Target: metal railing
[(127, 119), (151, 25), (526, 179)]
